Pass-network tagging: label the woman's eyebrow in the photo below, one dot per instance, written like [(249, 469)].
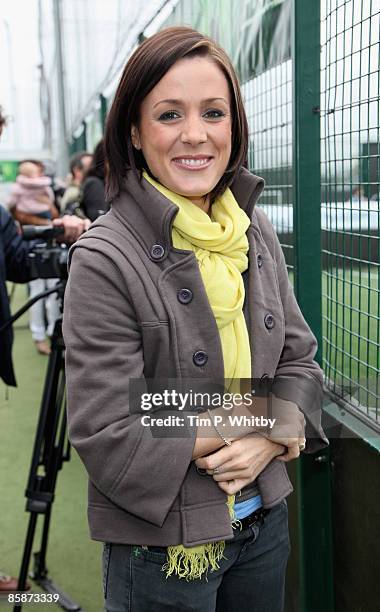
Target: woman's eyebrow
[(175, 101)]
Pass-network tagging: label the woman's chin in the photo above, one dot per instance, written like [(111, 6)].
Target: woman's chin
[(192, 189)]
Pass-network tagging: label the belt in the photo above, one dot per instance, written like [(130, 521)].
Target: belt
[(246, 522), (254, 517)]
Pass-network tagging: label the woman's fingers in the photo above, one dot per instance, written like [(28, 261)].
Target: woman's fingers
[(230, 470), (233, 465), (233, 486), (245, 458), (216, 459), (220, 477), (247, 470), (302, 443), (292, 453)]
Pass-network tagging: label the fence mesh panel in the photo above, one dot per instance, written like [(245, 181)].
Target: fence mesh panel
[(268, 102), (350, 117)]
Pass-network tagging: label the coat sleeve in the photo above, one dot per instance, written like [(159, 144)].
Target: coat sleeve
[(298, 377), (14, 196), (16, 250), (92, 200), (140, 473)]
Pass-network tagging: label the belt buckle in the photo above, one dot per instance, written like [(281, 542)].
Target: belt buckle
[(257, 515), (254, 518)]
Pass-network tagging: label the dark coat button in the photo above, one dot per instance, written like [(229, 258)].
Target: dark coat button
[(185, 296), (200, 358), (157, 251), (259, 260), (264, 376), (269, 321)]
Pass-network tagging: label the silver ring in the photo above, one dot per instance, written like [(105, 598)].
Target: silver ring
[(215, 470)]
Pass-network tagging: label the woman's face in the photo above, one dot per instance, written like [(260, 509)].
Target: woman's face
[(185, 128)]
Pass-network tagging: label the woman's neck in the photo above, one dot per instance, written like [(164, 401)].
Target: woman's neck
[(202, 203)]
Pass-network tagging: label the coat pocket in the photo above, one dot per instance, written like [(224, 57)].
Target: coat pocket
[(274, 483), (158, 354)]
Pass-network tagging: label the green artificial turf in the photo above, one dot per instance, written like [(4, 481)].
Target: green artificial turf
[(73, 560), (351, 321)]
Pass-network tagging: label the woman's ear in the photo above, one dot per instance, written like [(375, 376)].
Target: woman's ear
[(135, 137)]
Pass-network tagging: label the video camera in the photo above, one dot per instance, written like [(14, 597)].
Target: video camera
[(47, 258)]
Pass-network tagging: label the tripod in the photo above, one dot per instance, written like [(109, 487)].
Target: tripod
[(51, 449)]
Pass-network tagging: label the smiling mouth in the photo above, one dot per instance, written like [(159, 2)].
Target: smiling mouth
[(192, 163)]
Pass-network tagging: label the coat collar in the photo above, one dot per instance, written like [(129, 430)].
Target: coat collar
[(152, 208), (247, 188)]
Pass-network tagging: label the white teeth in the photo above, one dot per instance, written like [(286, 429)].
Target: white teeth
[(192, 162)]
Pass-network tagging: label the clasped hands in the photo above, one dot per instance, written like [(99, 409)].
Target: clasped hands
[(234, 467)]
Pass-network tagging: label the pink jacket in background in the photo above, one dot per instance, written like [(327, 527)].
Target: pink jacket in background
[(27, 194)]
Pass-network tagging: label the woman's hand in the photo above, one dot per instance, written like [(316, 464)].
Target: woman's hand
[(239, 464), (289, 427)]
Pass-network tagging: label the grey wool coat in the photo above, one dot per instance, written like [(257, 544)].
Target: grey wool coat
[(126, 317)]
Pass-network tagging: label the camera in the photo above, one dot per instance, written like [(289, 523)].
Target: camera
[(47, 260)]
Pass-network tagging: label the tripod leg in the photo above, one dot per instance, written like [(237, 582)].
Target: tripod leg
[(55, 464), (40, 570), (47, 459), (26, 557)]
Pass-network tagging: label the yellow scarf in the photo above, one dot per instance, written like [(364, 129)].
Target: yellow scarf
[(220, 245)]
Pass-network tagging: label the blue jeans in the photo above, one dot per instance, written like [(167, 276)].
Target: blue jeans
[(250, 579)]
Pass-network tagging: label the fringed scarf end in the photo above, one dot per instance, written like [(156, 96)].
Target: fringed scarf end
[(192, 563)]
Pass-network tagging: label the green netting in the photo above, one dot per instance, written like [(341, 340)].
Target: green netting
[(349, 168), (350, 116), (268, 101)]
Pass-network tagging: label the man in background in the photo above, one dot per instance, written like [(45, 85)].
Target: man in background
[(79, 164)]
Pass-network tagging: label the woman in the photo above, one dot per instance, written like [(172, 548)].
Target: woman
[(92, 201), (188, 282)]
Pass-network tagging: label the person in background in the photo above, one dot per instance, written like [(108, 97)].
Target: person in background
[(31, 202), (79, 164), (32, 194), (92, 200), (15, 267)]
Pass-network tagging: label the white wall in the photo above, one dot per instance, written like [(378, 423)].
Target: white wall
[(19, 83)]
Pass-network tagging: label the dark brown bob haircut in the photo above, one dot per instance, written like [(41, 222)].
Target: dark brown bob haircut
[(145, 68)]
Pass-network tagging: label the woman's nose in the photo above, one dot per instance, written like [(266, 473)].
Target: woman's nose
[(193, 132)]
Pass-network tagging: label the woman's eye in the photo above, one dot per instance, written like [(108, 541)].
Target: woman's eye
[(169, 115), (214, 114)]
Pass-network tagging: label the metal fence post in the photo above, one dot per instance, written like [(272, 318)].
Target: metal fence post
[(313, 472), (62, 158), (103, 111)]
